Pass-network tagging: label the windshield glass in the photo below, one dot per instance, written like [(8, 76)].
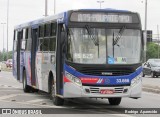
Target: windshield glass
[(155, 64), (103, 46)]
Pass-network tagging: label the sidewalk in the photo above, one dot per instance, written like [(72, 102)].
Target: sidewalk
[(151, 84)]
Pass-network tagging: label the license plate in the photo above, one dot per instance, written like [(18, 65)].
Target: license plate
[(106, 91)]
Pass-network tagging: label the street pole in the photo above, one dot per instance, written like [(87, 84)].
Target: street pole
[(145, 36), (3, 39), (158, 38), (100, 2), (7, 24), (46, 8), (54, 6)]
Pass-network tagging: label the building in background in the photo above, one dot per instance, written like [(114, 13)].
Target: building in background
[(149, 35)]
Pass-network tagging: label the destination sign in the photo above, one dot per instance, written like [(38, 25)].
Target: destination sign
[(101, 17)]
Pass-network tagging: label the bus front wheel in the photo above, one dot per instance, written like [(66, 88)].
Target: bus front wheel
[(56, 100), (114, 101)]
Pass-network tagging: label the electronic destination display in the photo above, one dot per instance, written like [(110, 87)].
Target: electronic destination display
[(103, 17)]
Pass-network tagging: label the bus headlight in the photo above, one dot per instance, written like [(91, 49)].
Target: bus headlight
[(73, 79), (136, 80)]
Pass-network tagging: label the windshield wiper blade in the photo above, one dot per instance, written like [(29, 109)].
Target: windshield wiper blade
[(119, 35), (94, 39)]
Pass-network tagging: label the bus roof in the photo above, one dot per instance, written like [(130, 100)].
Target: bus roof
[(63, 15), (106, 10)]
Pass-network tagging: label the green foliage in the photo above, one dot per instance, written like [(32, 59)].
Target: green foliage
[(3, 56), (152, 50)]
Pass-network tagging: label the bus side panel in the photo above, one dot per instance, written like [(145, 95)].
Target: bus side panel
[(28, 67), (14, 55), (45, 69), (38, 67), (44, 66), (22, 53), (14, 64)]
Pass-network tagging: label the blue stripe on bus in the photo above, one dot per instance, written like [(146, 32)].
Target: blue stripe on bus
[(113, 80)]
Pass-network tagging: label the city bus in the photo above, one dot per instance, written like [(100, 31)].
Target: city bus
[(89, 53)]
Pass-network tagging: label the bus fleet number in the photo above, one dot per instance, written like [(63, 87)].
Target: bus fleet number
[(122, 80)]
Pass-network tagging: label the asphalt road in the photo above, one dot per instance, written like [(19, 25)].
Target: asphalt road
[(12, 96)]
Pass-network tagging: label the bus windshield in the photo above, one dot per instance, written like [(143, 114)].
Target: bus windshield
[(103, 46)]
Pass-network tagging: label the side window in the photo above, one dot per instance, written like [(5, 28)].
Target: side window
[(52, 44), (20, 34), (26, 33), (41, 31), (23, 40), (28, 41), (53, 29), (45, 46), (40, 35), (47, 30), (15, 40)]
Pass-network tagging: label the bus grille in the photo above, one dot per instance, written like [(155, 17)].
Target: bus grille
[(97, 90), (109, 72)]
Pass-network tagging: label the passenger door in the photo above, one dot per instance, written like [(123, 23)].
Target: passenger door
[(33, 55)]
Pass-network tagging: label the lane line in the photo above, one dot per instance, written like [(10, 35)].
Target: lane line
[(33, 104), (36, 100), (8, 96)]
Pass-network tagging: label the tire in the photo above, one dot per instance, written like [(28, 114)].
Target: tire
[(114, 101), (143, 75), (56, 100), (152, 74), (26, 88)]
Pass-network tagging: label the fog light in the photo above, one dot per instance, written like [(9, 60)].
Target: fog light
[(87, 90), (125, 90)]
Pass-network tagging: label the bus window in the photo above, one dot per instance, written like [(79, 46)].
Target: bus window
[(15, 41), (26, 33), (41, 31), (20, 34), (47, 30), (28, 41), (52, 44), (53, 29), (45, 45)]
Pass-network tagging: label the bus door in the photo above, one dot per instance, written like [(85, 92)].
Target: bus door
[(33, 55), (15, 54), (20, 35), (60, 59)]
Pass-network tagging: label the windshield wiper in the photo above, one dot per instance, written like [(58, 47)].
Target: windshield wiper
[(119, 35), (90, 33)]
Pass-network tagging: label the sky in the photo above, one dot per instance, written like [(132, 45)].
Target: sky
[(21, 11)]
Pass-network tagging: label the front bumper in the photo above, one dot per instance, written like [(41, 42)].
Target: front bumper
[(72, 90)]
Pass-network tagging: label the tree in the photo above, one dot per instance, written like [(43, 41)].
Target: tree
[(3, 56), (152, 50)]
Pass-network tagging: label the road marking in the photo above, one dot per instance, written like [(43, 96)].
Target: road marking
[(8, 96), (150, 93), (6, 86), (34, 104), (36, 100)]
